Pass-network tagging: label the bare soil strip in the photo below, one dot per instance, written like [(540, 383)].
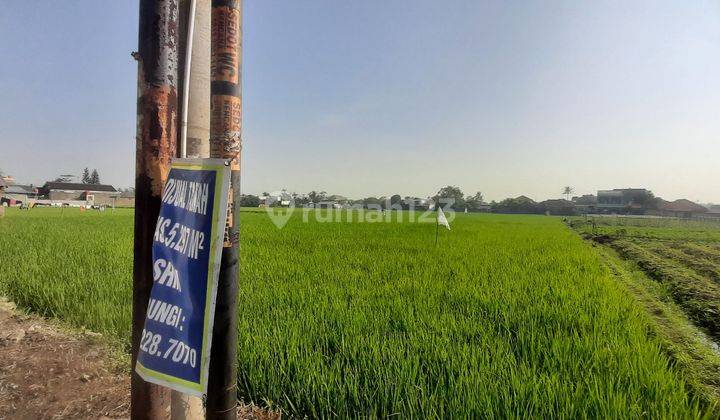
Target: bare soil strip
[(50, 372)]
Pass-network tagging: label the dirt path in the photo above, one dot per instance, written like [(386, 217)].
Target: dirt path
[(48, 373)]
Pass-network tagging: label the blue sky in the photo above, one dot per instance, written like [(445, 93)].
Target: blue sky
[(380, 97)]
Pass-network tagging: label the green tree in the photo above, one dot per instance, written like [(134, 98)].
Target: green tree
[(372, 201), (301, 200), (567, 191), (94, 177), (473, 202), (316, 197), (645, 199), (63, 178), (451, 196), (249, 200), (396, 201), (86, 176), (518, 205)]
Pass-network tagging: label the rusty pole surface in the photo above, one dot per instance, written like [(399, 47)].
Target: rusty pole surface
[(225, 142), (155, 146)]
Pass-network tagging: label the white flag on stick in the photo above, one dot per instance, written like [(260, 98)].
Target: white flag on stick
[(441, 219)]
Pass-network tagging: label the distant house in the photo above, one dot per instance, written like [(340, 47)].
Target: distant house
[(330, 204), (713, 210), (585, 204), (338, 199), (93, 194), (276, 198), (125, 199), (3, 185), (517, 205), (416, 203), (558, 207), (624, 200), (680, 208), (16, 194)]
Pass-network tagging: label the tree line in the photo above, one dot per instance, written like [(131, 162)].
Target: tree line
[(450, 197)]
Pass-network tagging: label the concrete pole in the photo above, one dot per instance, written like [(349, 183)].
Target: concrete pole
[(225, 143), (156, 140), (186, 406), (198, 125)]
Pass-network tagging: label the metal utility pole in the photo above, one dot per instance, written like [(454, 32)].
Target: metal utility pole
[(225, 142), (155, 147)]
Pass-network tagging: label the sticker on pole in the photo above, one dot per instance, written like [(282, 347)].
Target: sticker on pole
[(187, 246)]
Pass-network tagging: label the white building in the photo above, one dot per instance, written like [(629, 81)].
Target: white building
[(275, 198)]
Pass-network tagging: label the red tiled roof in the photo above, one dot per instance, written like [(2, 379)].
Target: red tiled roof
[(684, 206)]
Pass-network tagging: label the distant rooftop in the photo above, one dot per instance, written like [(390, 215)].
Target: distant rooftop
[(683, 205), (713, 208), (621, 190), (20, 189), (71, 186)]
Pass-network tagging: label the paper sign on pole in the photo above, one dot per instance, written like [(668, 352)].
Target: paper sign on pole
[(187, 246)]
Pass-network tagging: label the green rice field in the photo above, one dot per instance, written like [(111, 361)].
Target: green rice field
[(508, 316)]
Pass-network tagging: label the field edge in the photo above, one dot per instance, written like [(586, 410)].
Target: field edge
[(686, 345)]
